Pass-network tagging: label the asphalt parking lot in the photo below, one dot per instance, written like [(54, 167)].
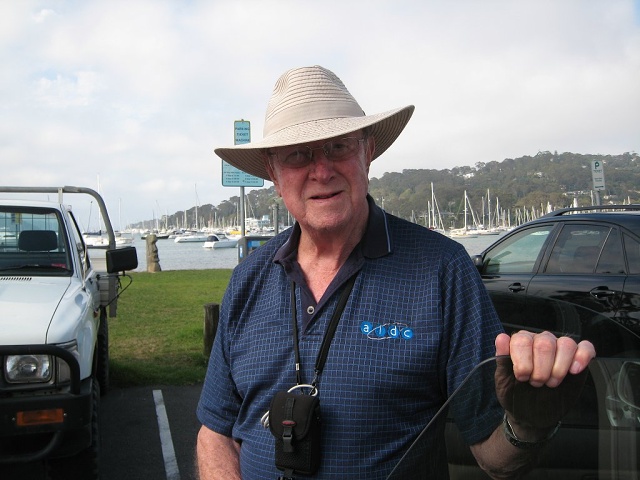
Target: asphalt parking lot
[(146, 433), (137, 443)]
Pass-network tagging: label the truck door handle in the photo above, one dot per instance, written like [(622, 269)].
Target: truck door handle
[(516, 287), (602, 293)]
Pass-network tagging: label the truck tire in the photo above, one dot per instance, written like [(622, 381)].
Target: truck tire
[(85, 464), (102, 371)]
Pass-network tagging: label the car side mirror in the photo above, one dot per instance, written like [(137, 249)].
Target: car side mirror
[(629, 384), (478, 261), (122, 259)]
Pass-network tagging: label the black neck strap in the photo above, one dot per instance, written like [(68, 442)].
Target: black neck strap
[(328, 335)]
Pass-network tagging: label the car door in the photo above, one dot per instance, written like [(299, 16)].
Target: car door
[(586, 267), (509, 265), (628, 314)]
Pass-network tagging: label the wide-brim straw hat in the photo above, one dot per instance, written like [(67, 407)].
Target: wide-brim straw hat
[(310, 104)]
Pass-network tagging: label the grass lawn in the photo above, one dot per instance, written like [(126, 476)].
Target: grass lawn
[(157, 337)]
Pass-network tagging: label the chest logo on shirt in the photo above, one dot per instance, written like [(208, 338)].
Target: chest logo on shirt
[(386, 331)]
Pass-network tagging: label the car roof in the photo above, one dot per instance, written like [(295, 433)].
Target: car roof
[(627, 216)]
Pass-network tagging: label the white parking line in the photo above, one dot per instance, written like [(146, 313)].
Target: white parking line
[(168, 453)]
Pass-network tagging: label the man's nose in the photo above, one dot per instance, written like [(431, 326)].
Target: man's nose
[(320, 164)]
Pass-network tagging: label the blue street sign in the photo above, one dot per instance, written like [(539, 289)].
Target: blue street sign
[(232, 176)]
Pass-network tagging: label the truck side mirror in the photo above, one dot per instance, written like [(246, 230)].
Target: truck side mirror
[(122, 259)]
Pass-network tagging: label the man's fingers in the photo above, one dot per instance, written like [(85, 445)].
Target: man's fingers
[(542, 359), (544, 354), (584, 354), (564, 357), (521, 351), (502, 344)]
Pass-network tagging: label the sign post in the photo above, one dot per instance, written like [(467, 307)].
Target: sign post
[(234, 177), (597, 174)]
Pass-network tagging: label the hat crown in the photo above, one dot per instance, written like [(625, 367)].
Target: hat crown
[(308, 94)]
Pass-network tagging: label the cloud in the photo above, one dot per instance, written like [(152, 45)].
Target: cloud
[(78, 90), (139, 92)]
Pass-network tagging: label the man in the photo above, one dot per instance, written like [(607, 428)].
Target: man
[(416, 321)]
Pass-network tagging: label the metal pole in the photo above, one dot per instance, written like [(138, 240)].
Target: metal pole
[(242, 222), (597, 192), (276, 218)]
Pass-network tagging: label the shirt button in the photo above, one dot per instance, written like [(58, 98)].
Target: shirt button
[(310, 309)]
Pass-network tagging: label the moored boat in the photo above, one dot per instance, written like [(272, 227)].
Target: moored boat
[(219, 241), (191, 237)]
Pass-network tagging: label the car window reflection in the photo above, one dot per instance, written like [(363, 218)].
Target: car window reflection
[(577, 249), (599, 436), (632, 249), (517, 254)]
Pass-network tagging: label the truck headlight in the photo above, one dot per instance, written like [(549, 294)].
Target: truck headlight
[(28, 368)]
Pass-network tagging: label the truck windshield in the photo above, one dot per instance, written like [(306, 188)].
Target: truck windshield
[(32, 241)]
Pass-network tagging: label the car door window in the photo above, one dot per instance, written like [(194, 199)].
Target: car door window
[(518, 253), (632, 249), (577, 249), (612, 257)]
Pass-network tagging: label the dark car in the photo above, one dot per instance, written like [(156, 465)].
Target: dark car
[(576, 272), (586, 256)]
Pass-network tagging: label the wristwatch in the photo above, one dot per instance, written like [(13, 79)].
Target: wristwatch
[(516, 442)]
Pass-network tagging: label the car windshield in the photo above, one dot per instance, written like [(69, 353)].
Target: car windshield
[(32, 242), (599, 436)]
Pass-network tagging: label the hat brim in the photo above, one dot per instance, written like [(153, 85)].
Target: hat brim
[(385, 128)]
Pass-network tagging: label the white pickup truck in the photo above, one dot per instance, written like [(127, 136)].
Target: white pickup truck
[(54, 344)]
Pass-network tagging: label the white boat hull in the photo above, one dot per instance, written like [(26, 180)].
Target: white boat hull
[(225, 244), (190, 238)]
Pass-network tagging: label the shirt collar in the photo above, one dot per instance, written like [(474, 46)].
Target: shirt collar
[(375, 243)]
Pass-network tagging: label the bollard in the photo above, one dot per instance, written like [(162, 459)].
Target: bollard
[(153, 261), (211, 316)]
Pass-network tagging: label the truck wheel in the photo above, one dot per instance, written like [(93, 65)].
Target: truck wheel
[(102, 372), (83, 465)]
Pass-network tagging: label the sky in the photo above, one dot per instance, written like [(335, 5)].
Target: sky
[(131, 97)]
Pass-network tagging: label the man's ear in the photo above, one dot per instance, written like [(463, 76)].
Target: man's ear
[(370, 150), (272, 175)]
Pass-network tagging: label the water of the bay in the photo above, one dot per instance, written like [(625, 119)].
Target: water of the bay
[(193, 256), (182, 256)]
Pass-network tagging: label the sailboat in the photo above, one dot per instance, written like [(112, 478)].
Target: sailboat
[(435, 222), (96, 239), (465, 231), (192, 235), (490, 229)]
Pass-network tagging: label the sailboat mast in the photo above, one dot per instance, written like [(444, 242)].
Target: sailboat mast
[(488, 209), (196, 189), (465, 210)]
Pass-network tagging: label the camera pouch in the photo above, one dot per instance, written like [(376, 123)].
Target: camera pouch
[(294, 421)]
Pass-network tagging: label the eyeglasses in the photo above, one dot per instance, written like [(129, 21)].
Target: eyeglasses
[(299, 156)]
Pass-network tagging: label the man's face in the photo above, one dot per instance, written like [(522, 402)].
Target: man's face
[(324, 194)]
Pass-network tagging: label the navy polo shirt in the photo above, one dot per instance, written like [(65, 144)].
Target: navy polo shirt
[(374, 244), (417, 321)]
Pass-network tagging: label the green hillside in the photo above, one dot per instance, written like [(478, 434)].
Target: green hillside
[(515, 188)]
